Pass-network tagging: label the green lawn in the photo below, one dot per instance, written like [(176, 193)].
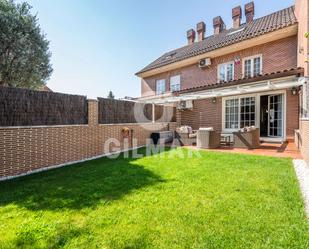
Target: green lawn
[(220, 200)]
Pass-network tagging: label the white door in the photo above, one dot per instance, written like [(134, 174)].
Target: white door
[(275, 116)]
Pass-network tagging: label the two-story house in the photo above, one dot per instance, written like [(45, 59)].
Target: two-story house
[(252, 74)]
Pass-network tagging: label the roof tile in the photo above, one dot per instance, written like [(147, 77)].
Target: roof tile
[(257, 27)]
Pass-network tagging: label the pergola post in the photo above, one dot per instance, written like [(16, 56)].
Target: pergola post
[(153, 113)]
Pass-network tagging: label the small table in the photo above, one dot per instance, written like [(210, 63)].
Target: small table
[(226, 139)]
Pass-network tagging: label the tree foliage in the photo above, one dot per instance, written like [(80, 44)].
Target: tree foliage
[(24, 49), (110, 95)]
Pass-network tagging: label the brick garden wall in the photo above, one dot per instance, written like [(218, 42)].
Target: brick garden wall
[(25, 149), (304, 138)]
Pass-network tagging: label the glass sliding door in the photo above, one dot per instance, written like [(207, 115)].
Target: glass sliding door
[(275, 115)]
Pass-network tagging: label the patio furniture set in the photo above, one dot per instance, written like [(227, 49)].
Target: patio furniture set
[(208, 138)]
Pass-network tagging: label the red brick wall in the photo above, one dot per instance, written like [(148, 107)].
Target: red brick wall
[(25, 149), (277, 56), (302, 14), (207, 114), (204, 114), (292, 114), (304, 139)]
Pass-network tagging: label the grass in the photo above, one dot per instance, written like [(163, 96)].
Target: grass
[(218, 200)]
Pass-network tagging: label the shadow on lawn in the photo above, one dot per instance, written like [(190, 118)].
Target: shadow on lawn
[(79, 186)]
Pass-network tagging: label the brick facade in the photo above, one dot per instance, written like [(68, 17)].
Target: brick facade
[(208, 114), (277, 56), (25, 149), (302, 14), (204, 114)]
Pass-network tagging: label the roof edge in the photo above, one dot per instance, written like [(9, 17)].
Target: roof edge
[(299, 72), (271, 36)]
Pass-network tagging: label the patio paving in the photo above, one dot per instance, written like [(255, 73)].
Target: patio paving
[(287, 149)]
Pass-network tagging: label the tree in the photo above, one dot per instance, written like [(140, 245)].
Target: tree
[(110, 95), (24, 49)]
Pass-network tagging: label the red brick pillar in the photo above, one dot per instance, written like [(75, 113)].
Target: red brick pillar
[(304, 130), (93, 112), (302, 14)]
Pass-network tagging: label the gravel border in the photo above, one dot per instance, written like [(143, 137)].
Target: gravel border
[(302, 173)]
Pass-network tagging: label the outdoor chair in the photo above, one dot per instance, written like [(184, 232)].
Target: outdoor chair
[(249, 138), (207, 138), (185, 136)]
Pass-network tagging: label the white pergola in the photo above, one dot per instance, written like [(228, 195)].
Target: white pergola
[(257, 87)]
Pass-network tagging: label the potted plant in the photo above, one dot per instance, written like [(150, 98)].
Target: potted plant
[(125, 132)]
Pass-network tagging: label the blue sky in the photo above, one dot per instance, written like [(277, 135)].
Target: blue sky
[(99, 45)]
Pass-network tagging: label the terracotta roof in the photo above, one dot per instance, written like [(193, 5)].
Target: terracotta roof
[(268, 76), (257, 27), (44, 88)]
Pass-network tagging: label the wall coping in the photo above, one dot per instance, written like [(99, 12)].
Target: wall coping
[(149, 123), (83, 125)]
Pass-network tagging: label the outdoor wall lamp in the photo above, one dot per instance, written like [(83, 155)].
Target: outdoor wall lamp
[(294, 91), (214, 100), (301, 50)]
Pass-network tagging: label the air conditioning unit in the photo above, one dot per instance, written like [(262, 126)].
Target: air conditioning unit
[(185, 105), (204, 63)]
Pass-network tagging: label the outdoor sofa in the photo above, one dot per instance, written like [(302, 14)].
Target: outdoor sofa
[(248, 138)]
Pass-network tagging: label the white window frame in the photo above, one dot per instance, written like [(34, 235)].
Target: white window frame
[(257, 111), (172, 85), (225, 64), (252, 64), (159, 91), (239, 97)]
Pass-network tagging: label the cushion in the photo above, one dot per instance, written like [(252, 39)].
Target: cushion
[(192, 135), (206, 129), (184, 129)]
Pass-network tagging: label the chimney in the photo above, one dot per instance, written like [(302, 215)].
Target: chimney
[(219, 25), (191, 36), (249, 11), (201, 29), (236, 15)]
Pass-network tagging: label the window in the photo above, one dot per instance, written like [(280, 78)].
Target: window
[(247, 112), (175, 83), (239, 113), (231, 114), (226, 72), (247, 68), (252, 66), (160, 86)]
